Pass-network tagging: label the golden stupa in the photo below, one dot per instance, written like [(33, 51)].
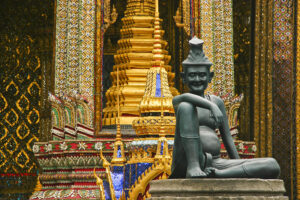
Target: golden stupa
[(134, 58), (157, 115)]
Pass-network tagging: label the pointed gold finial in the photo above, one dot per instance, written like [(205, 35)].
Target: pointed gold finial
[(105, 162), (99, 182), (119, 155), (157, 47), (38, 186), (118, 137), (158, 59)]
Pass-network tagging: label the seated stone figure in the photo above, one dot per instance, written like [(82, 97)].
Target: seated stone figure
[(196, 146)]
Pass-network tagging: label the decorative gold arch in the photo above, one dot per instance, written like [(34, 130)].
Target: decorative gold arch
[(157, 169)]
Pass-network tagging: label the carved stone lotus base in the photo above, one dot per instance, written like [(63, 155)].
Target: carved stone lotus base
[(217, 189)]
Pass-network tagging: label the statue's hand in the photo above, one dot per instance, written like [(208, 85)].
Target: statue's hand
[(217, 113)]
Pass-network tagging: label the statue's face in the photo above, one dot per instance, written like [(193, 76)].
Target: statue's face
[(197, 78)]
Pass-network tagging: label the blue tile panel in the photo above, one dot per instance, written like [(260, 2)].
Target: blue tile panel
[(117, 175), (119, 155), (158, 86), (106, 190)]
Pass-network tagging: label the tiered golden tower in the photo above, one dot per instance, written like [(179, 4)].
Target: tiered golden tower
[(133, 60), (157, 115)]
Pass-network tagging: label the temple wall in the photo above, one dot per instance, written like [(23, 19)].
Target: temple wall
[(25, 79), (284, 90)]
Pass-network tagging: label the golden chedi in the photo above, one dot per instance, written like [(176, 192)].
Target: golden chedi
[(133, 59), (157, 115)]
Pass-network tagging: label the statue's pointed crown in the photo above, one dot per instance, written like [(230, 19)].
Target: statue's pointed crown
[(196, 55)]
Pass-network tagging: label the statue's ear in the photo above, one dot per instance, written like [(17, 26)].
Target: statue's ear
[(182, 74), (211, 75)]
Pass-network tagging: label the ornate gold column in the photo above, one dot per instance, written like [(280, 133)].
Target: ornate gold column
[(74, 52), (98, 64), (263, 78), (274, 86), (298, 103)]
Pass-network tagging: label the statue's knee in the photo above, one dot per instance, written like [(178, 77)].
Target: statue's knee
[(267, 168), (274, 168), (271, 168), (185, 107), (187, 120)]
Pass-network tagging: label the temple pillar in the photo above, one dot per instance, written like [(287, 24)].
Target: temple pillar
[(74, 53), (275, 86), (297, 104)]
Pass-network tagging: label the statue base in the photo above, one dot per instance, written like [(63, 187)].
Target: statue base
[(217, 189)]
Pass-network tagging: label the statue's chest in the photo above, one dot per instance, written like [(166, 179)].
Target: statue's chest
[(206, 118)]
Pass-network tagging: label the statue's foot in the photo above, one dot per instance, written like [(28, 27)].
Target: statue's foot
[(210, 172), (195, 172)]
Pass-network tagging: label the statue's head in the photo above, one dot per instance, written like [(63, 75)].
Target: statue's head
[(196, 68)]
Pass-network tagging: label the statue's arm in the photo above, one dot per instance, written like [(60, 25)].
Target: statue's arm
[(199, 101), (225, 131), (192, 99)]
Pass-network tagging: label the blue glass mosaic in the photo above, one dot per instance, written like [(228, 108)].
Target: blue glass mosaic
[(158, 88), (127, 176), (117, 177), (142, 167), (126, 193), (106, 190), (119, 155), (133, 174), (162, 148)]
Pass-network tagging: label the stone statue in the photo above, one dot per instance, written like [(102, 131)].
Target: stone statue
[(196, 146)]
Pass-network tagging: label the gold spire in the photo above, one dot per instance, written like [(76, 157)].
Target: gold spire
[(119, 155)]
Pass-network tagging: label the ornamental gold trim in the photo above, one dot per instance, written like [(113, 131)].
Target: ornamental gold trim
[(5, 103), (98, 71), (99, 182)]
